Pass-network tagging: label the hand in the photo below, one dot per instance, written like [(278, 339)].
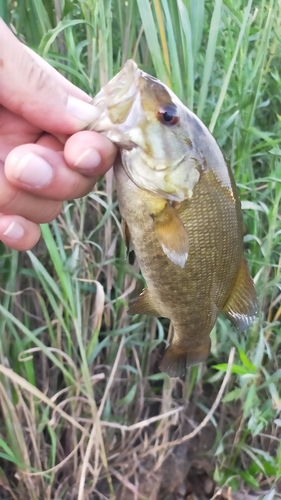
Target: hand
[(45, 156)]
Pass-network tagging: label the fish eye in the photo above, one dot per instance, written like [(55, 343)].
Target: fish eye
[(168, 115)]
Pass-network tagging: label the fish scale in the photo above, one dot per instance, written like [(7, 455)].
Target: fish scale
[(181, 211), (173, 289)]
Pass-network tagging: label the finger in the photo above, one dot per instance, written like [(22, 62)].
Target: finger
[(14, 130), (43, 172), (18, 233), (51, 142), (89, 153), (38, 93), (14, 201)]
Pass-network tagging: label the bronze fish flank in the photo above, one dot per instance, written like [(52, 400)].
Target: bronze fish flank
[(181, 211)]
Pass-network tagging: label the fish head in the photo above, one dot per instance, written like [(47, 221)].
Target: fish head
[(162, 142)]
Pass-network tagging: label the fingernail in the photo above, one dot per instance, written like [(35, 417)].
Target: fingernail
[(34, 171), (14, 231), (83, 111), (88, 160)]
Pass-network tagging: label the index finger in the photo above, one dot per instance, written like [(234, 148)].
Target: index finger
[(31, 88)]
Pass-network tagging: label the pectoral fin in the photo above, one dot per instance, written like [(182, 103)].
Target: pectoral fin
[(241, 306), (143, 305), (171, 235)]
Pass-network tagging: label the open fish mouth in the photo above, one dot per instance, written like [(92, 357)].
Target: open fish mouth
[(122, 88)]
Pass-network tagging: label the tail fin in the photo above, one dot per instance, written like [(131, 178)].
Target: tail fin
[(176, 360)]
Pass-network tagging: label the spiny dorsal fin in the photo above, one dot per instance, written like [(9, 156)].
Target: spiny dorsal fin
[(241, 306), (171, 235), (143, 305)]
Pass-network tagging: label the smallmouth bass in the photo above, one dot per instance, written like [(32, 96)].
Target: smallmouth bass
[(181, 212)]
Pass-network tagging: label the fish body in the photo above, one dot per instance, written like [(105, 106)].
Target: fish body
[(181, 212)]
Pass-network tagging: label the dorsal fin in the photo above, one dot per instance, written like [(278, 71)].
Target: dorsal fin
[(143, 305), (241, 306)]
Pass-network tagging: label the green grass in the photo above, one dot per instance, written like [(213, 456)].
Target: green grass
[(78, 377)]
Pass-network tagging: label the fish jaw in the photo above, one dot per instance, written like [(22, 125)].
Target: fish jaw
[(115, 102)]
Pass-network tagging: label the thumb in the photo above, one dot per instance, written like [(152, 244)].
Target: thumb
[(31, 88)]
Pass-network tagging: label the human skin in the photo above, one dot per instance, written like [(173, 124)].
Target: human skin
[(46, 156)]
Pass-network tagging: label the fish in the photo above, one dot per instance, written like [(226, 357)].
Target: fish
[(181, 214)]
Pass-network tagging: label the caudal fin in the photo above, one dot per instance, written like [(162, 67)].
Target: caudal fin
[(176, 360)]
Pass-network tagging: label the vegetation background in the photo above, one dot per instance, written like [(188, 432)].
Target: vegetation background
[(85, 413)]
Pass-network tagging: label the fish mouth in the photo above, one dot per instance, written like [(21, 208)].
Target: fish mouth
[(119, 104), (121, 89)]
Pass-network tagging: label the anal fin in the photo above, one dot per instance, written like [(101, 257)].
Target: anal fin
[(143, 305), (171, 234), (241, 306)]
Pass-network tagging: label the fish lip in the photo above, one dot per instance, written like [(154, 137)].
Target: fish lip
[(123, 85)]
